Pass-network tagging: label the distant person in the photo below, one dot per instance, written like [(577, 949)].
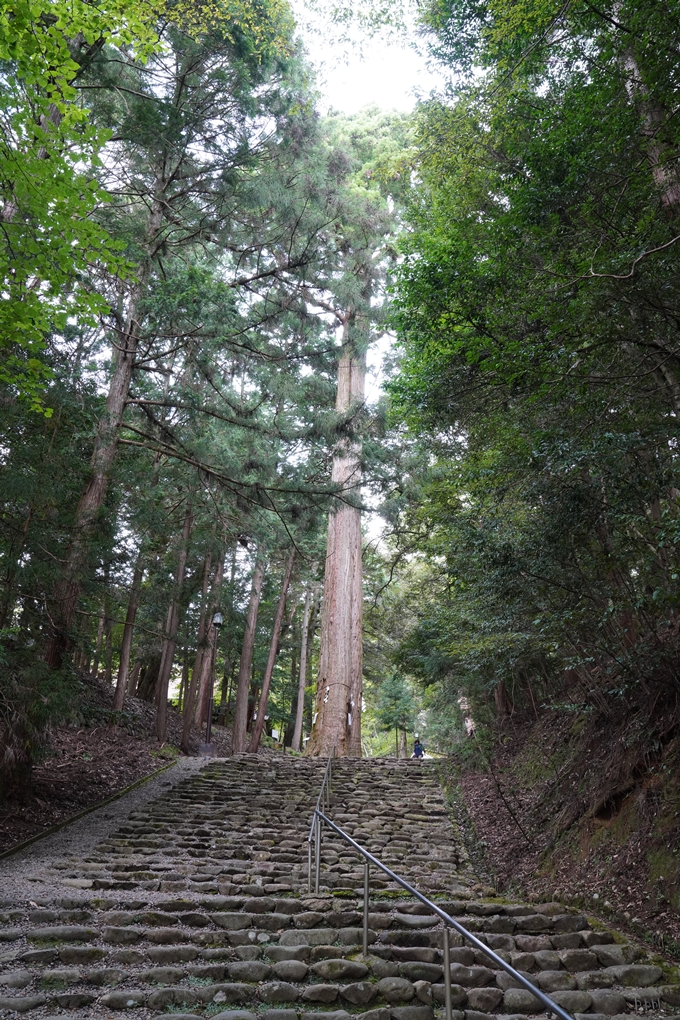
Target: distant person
[(418, 749)]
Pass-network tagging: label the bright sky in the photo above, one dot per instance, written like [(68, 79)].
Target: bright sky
[(390, 75), (388, 72)]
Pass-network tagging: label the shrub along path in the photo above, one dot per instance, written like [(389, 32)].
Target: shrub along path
[(195, 904)]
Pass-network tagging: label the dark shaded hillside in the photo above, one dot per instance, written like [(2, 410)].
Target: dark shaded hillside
[(577, 809)]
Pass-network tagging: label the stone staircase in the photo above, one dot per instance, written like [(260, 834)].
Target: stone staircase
[(198, 907)]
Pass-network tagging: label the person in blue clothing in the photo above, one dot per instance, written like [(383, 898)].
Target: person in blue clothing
[(418, 749)]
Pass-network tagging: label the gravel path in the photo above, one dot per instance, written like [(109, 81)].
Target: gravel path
[(21, 874)]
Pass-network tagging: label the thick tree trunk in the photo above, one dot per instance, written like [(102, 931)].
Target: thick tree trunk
[(302, 683), (337, 712), (657, 130), (67, 590), (172, 627), (245, 664), (206, 674), (256, 735), (128, 632), (148, 679)]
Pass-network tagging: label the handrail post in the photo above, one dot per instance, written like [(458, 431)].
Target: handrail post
[(309, 865), (523, 982), (317, 863), (447, 974), (367, 880)]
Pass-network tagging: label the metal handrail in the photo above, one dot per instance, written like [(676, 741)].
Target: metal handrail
[(326, 781), (315, 827), (320, 818)]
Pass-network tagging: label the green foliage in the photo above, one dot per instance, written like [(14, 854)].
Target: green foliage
[(52, 239), (395, 706), (537, 305)]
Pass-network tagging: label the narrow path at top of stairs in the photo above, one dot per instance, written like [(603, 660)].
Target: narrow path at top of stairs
[(197, 906)]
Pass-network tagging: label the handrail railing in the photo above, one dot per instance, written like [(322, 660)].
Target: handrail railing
[(319, 819), (324, 799)]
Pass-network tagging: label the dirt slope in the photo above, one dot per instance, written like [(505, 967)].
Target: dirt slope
[(85, 764), (540, 808)]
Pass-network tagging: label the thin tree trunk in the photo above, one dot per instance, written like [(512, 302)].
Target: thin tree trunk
[(190, 697), (14, 553), (108, 648), (98, 646), (226, 681), (128, 632), (403, 749), (206, 674), (314, 618), (503, 705), (134, 677), (246, 661), (67, 590), (11, 572), (337, 712), (206, 679), (302, 683), (171, 632), (185, 679), (271, 661)]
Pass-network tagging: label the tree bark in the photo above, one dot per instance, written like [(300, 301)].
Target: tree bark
[(98, 646), (296, 743), (134, 677), (656, 121), (128, 631), (403, 747), (184, 683), (245, 664), (67, 590), (190, 695), (14, 557), (172, 626), (108, 647), (256, 735), (503, 704), (206, 677), (337, 711)]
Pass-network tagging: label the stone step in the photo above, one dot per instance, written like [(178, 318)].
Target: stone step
[(198, 907)]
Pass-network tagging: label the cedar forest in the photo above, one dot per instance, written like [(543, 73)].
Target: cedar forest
[(195, 263)]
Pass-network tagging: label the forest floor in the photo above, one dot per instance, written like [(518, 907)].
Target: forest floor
[(621, 860), (83, 765)]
